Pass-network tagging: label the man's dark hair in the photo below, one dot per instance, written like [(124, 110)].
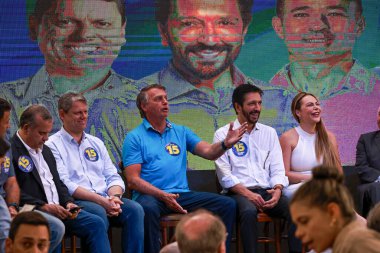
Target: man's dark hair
[(5, 106), (142, 97), (28, 218), (4, 147), (239, 93), (44, 6), (29, 115), (281, 3), (164, 7)]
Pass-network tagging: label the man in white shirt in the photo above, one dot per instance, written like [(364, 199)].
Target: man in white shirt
[(252, 171), (85, 166), (40, 185)]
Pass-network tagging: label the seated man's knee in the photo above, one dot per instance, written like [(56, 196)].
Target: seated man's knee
[(248, 213)]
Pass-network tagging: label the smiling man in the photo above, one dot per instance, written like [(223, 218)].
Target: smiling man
[(84, 165), (252, 171), (79, 41), (205, 38), (320, 36)]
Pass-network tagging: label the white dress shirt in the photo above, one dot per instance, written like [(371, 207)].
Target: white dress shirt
[(255, 161), (87, 164), (44, 172)]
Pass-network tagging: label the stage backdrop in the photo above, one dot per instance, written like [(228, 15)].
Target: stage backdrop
[(326, 47)]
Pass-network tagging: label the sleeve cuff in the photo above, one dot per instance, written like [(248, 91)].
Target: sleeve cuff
[(282, 181), (229, 181), (117, 183)]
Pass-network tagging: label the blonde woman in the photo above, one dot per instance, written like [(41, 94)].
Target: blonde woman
[(307, 145)]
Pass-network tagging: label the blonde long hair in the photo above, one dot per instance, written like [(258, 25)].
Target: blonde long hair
[(323, 146)]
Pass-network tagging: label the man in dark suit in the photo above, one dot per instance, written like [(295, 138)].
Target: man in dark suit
[(368, 165), (36, 173)]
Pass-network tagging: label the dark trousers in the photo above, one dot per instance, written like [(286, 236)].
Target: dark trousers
[(222, 206), (247, 216), (369, 196)]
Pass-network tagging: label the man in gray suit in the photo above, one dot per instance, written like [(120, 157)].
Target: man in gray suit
[(368, 165)]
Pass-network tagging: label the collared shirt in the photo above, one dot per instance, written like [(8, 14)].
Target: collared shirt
[(112, 113), (255, 161), (44, 172), (162, 156), (6, 171), (357, 94), (87, 164), (205, 110)]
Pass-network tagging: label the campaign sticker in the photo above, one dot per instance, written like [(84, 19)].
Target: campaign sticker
[(240, 149), (91, 154), (173, 149), (25, 163), (6, 165)]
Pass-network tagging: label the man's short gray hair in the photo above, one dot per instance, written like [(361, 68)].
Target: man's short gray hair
[(66, 101)]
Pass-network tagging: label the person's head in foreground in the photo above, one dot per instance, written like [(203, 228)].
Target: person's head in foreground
[(373, 218), (201, 232), (321, 208), (29, 233)]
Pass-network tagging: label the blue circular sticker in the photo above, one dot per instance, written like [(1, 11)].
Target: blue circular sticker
[(25, 163), (6, 165), (172, 149), (240, 149), (91, 154)]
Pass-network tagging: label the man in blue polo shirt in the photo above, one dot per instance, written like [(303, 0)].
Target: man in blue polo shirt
[(155, 155), (85, 166), (9, 190)]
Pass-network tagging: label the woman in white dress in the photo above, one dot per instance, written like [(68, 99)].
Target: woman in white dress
[(307, 145)]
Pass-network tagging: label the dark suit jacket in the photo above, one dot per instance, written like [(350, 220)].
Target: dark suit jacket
[(32, 190), (368, 157)]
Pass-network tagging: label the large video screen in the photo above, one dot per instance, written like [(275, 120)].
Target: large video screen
[(200, 50)]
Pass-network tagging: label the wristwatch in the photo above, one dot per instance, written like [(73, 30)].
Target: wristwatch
[(224, 147), (15, 205)]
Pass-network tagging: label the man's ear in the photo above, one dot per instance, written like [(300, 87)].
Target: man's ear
[(277, 27), (61, 114), (122, 33), (164, 34), (237, 107), (143, 107), (33, 27), (360, 25), (222, 247), (8, 245)]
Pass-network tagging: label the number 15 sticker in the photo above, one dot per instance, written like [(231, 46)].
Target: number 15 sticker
[(173, 149), (91, 154)]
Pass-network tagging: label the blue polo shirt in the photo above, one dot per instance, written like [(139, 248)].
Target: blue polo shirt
[(163, 157), (6, 171)]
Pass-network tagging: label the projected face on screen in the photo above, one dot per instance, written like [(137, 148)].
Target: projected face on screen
[(320, 29), (78, 36), (205, 36)]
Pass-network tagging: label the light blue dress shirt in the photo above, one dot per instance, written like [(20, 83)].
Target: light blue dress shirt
[(87, 164)]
